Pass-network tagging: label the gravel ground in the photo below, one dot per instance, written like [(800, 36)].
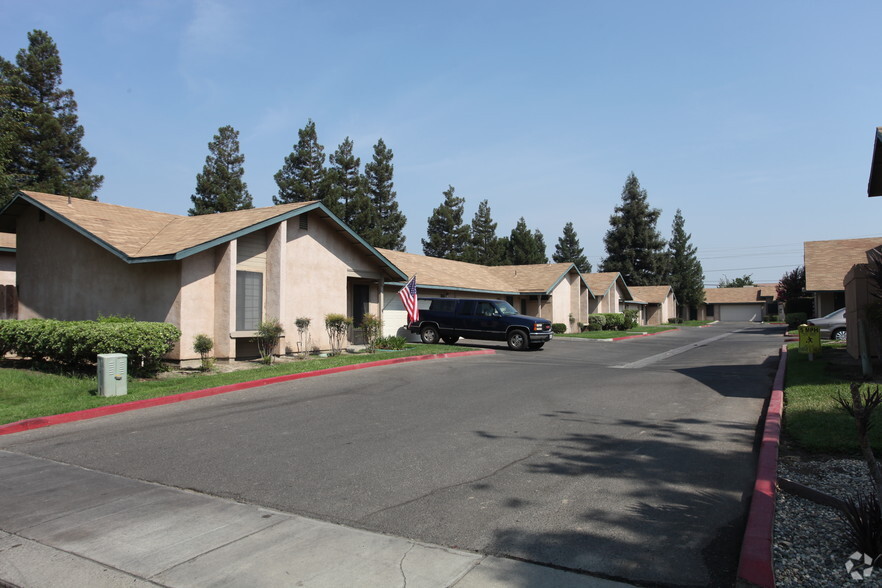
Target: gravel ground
[(810, 543)]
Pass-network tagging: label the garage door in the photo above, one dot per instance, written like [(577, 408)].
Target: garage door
[(395, 319), (741, 312)]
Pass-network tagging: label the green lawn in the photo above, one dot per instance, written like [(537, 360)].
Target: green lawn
[(812, 417), (27, 394), (614, 334)]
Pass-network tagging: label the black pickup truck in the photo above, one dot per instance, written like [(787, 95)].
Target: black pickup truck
[(493, 320)]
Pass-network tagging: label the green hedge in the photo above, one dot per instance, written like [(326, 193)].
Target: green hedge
[(596, 322), (612, 321), (77, 343), (558, 328), (794, 319)]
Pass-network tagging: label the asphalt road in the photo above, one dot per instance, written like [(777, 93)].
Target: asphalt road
[(630, 460)]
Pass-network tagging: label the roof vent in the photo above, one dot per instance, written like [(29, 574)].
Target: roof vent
[(304, 221)]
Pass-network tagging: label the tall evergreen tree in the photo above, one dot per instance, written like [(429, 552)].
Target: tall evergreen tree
[(526, 247), (448, 236), (685, 274), (388, 230), (634, 247), (302, 177), (345, 193), (220, 188), (568, 250), (484, 247), (41, 146)]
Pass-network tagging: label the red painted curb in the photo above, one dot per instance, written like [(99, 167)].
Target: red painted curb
[(100, 411), (755, 564)]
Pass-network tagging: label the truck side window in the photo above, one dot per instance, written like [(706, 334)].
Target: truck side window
[(485, 309)]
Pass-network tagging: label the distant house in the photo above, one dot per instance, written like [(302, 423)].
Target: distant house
[(556, 291), (749, 303), (827, 263), (610, 292), (660, 303), (217, 274)]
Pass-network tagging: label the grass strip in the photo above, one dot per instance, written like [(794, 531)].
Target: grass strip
[(812, 417), (26, 394)]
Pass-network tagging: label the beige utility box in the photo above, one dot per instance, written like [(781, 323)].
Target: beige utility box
[(112, 374)]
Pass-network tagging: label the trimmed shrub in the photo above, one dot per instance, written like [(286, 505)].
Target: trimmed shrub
[(268, 334), (558, 328), (596, 322), (75, 344), (614, 321), (794, 319), (202, 344), (630, 319), (302, 324), (337, 326), (675, 320), (371, 327)]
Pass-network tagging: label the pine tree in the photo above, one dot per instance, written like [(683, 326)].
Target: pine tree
[(685, 274), (388, 231), (302, 176), (634, 247), (568, 250), (526, 247), (41, 147), (448, 236), (220, 188), (484, 247), (344, 192)]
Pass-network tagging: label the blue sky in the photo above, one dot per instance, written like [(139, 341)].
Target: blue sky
[(755, 118)]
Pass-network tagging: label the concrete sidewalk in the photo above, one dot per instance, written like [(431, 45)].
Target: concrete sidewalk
[(63, 525)]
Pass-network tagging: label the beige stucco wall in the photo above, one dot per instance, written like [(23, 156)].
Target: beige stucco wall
[(320, 267), (7, 268), (63, 275), (858, 294), (824, 303)]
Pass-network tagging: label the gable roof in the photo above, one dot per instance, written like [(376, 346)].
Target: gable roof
[(602, 282), (742, 295), (651, 294), (435, 272), (7, 242), (827, 262), (142, 236)]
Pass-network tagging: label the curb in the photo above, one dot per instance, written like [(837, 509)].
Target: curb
[(755, 563), (92, 413)]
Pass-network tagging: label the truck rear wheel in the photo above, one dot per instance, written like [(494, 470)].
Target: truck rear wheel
[(450, 340), (429, 334), (518, 340)]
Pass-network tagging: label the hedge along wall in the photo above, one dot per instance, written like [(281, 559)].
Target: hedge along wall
[(76, 343)]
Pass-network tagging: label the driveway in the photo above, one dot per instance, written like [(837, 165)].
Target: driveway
[(629, 460)]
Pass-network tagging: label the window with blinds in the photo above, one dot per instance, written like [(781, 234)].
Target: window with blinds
[(249, 300)]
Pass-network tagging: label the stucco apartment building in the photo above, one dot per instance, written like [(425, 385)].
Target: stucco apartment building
[(826, 265), (216, 274), (555, 291)]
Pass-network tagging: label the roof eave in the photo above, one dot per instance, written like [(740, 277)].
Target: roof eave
[(874, 186)]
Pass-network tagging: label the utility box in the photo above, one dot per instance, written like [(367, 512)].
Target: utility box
[(112, 374)]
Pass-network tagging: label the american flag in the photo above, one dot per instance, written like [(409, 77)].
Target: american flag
[(408, 296)]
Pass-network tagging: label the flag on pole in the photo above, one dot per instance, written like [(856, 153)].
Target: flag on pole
[(408, 296)]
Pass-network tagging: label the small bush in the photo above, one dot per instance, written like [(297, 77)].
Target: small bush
[(391, 342), (268, 334), (675, 320), (337, 325), (630, 319), (558, 328), (371, 327), (202, 344), (770, 318), (864, 519), (302, 324), (794, 319), (596, 322), (115, 318)]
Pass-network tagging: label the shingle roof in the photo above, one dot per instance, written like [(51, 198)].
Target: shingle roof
[(651, 294), (445, 273), (600, 282), (143, 233), (733, 295), (827, 262), (7, 241)]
